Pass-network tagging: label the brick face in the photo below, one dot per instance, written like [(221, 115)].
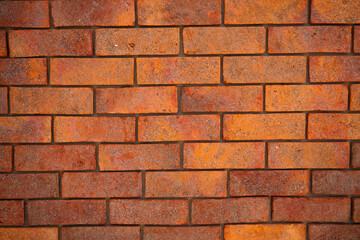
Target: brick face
[(333, 231), (11, 213), (6, 158), (3, 100), (94, 233), (356, 39), (3, 49), (182, 233), (335, 11), (29, 233)]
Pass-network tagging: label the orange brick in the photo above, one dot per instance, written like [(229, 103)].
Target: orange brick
[(29, 233), (306, 98), (304, 39), (178, 70), (145, 41), (86, 13), (179, 128), (51, 100), (94, 129), (355, 97), (182, 233), (64, 42), (335, 11), (196, 12), (357, 39), (264, 126), (333, 231), (3, 47), (224, 40), (186, 184), (5, 158), (224, 155), (222, 98), (309, 155), (3, 100), (91, 71), (356, 211), (103, 232), (355, 155), (11, 213), (138, 100)]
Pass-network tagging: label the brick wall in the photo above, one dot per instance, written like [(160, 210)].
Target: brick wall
[(201, 119)]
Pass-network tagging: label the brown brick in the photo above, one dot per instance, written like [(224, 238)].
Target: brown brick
[(224, 40), (182, 233), (335, 11), (177, 12), (103, 232), (30, 185), (356, 210), (178, 70), (333, 232), (179, 128), (222, 98), (311, 209), (29, 233), (51, 100), (11, 213), (138, 100), (149, 212), (64, 42), (186, 184), (309, 155), (3, 47), (355, 97), (60, 212), (86, 13), (3, 100), (224, 155), (25, 129), (54, 157), (264, 126), (91, 71), (145, 41), (355, 155), (139, 157), (306, 98), (304, 39), (357, 39), (5, 158), (94, 129)]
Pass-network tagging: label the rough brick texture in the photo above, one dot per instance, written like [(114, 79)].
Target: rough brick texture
[(182, 233), (11, 212), (39, 233), (6, 158), (3, 49), (103, 232)]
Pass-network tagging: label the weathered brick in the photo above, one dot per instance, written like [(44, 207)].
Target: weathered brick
[(186, 184), (11, 213), (94, 129), (91, 71), (29, 233), (222, 98), (355, 155), (264, 126), (103, 232), (3, 48), (87, 13), (54, 157), (149, 212), (51, 100), (138, 100), (196, 12), (178, 70), (60, 212), (64, 42), (224, 40), (309, 155), (356, 211), (44, 185), (304, 39), (357, 39), (306, 98), (179, 128), (139, 157), (182, 233), (335, 11), (311, 209), (145, 41), (224, 155), (3, 100), (5, 158), (333, 232), (355, 97)]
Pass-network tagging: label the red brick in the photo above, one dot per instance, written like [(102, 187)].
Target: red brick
[(99, 185), (3, 47), (355, 155), (25, 129), (29, 233), (51, 100), (139, 157), (87, 13), (355, 97), (304, 39), (65, 42), (145, 41), (224, 155), (186, 184), (357, 39), (224, 40), (222, 98), (333, 232), (11, 213), (335, 11), (196, 12), (178, 70), (179, 128), (275, 183), (149, 212), (24, 14), (264, 126), (54, 157), (91, 71), (265, 12), (138, 100), (94, 129), (334, 126), (30, 185), (311, 209), (23, 71), (61, 212), (356, 210), (231, 210), (3, 100), (5, 158), (182, 233), (306, 98), (95, 233), (309, 155)]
